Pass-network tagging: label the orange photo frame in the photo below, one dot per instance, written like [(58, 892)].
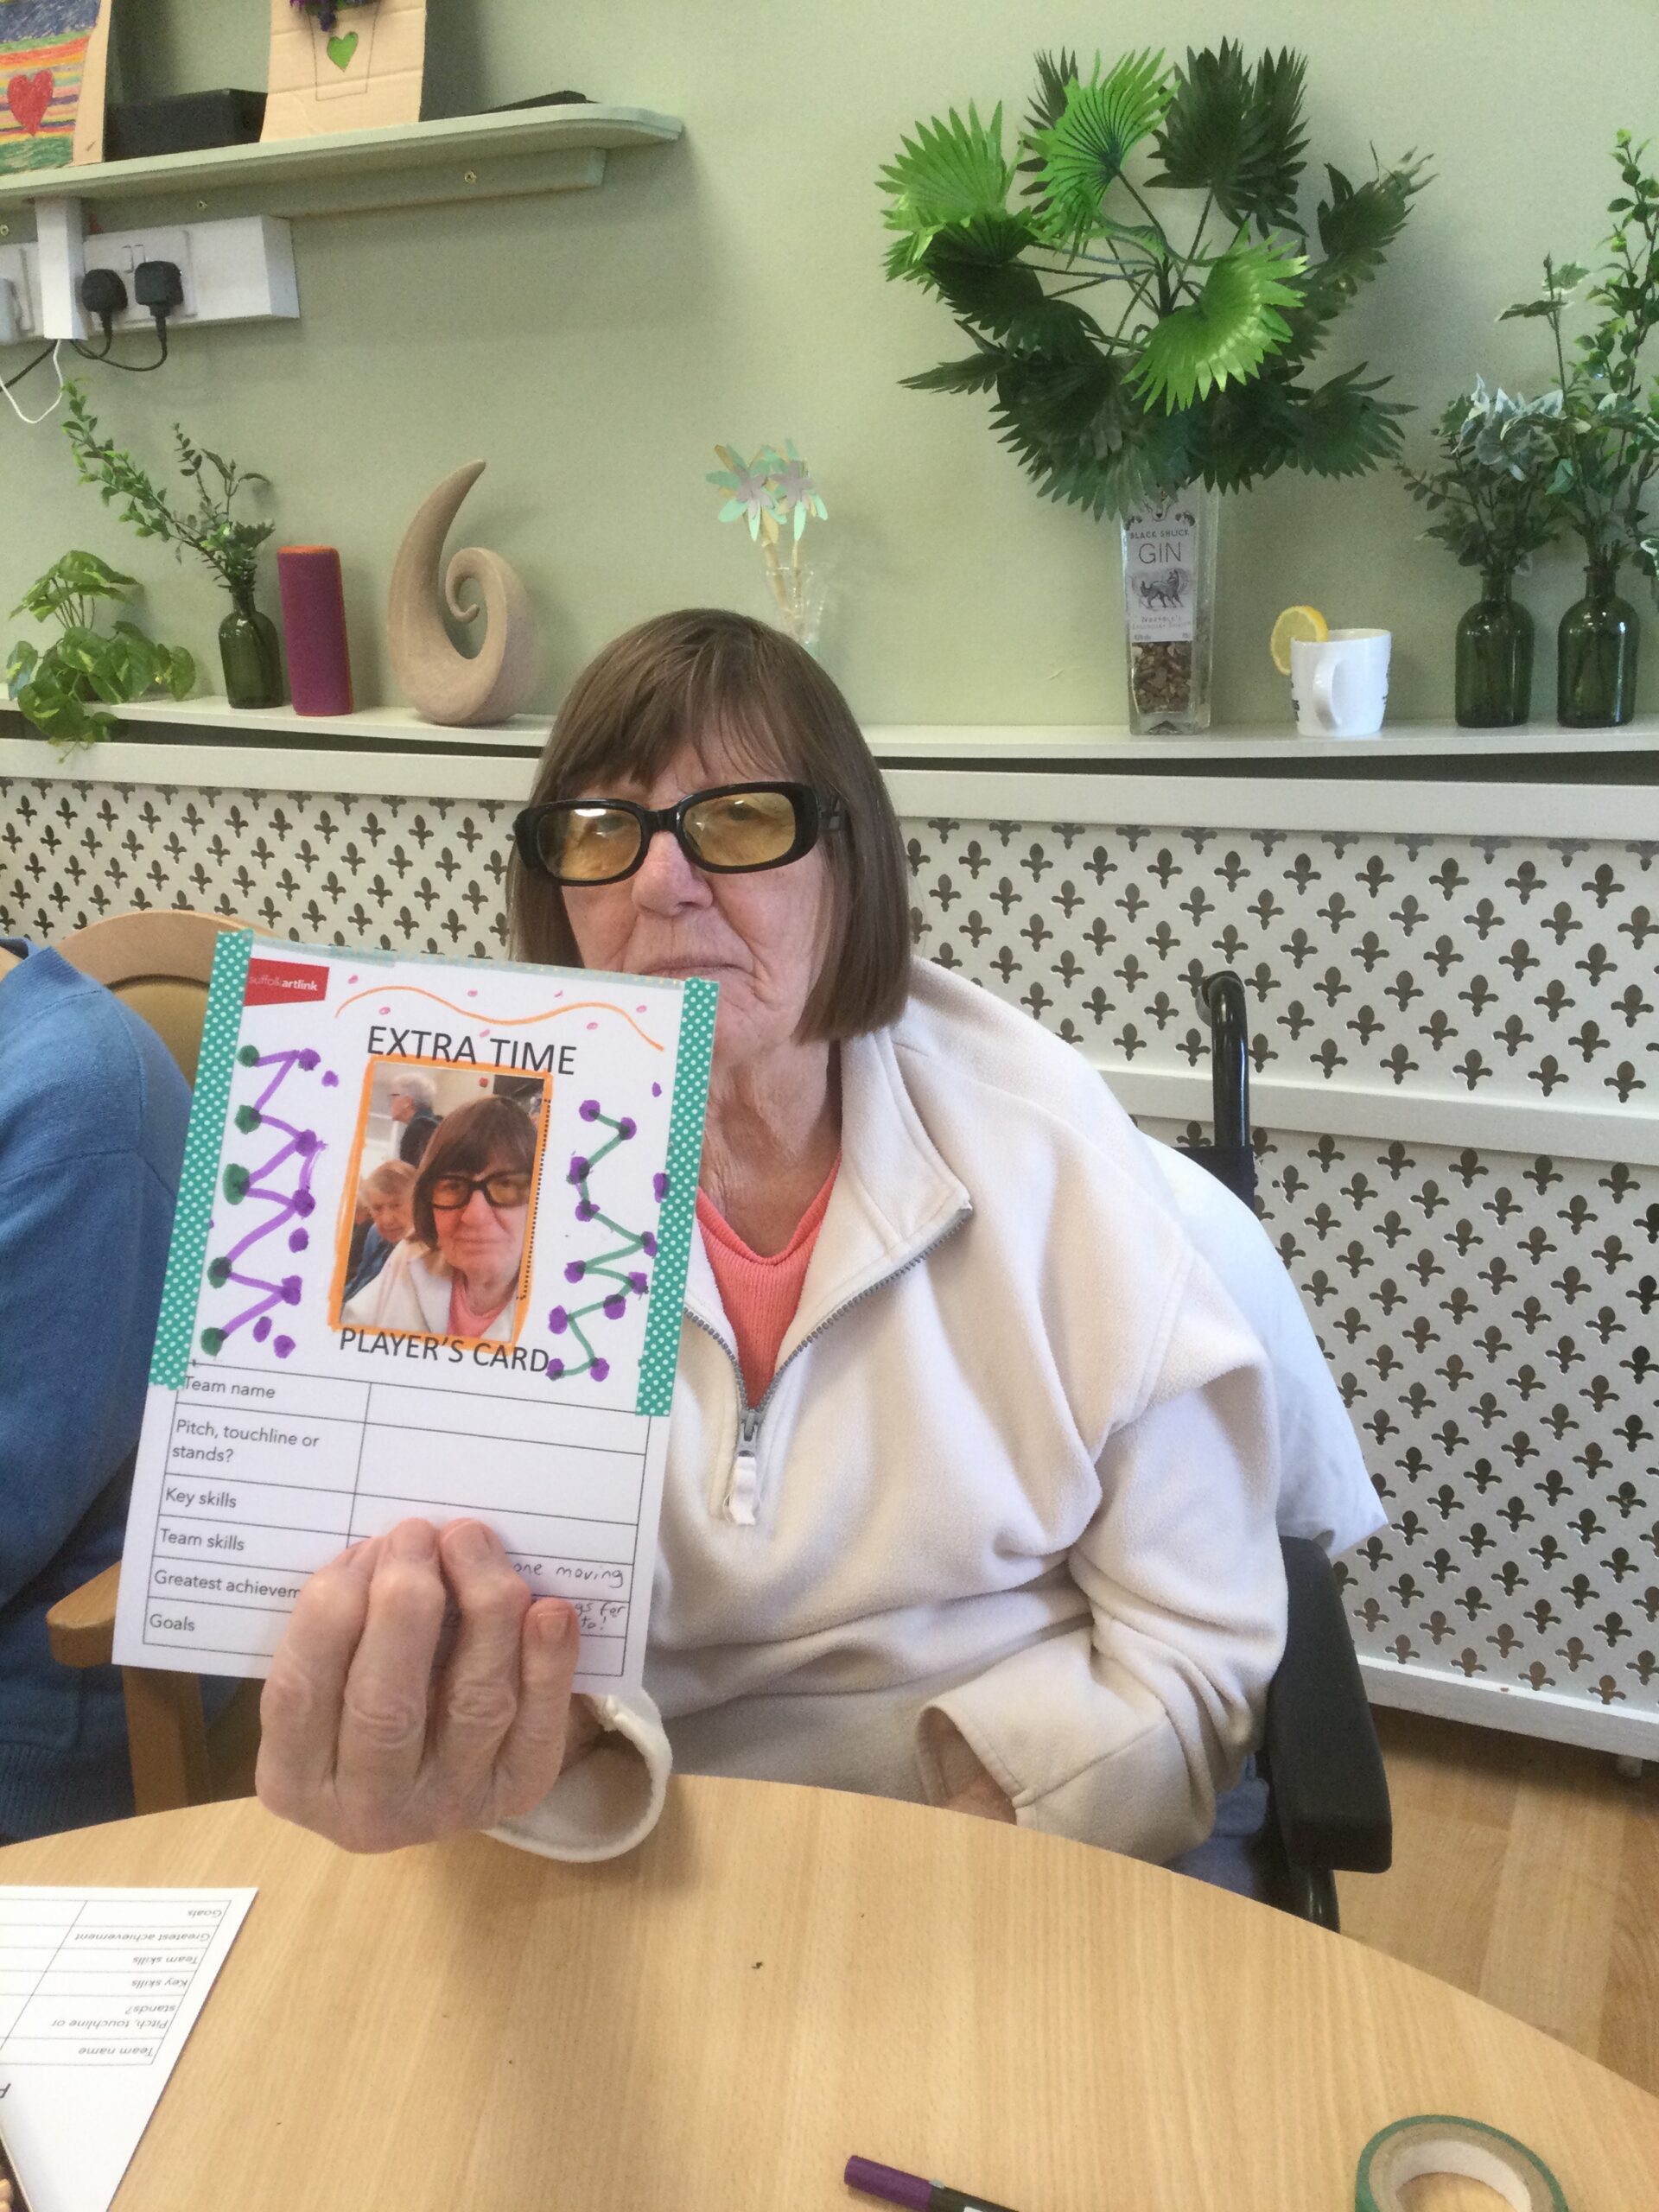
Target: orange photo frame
[(492, 1083)]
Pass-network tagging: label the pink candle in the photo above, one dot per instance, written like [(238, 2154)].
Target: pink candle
[(314, 616)]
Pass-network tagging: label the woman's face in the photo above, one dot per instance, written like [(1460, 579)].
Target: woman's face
[(481, 1242), (389, 1209), (759, 937)]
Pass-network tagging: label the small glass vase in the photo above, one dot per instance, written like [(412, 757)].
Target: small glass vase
[(1494, 687), (799, 592), (248, 651), (1169, 593), (1595, 655)]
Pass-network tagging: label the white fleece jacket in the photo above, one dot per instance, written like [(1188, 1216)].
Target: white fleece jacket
[(1019, 1462)]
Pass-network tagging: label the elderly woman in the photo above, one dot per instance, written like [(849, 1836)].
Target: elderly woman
[(412, 1102), (973, 1468), (385, 1195), (469, 1210)]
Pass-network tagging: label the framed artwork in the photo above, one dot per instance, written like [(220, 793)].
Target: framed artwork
[(53, 55), (343, 65)]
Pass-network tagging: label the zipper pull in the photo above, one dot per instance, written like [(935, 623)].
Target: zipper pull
[(744, 1479)]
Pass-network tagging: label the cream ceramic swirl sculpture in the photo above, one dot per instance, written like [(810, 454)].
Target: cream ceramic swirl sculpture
[(440, 681)]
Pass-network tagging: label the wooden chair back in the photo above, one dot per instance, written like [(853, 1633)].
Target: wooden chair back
[(158, 962)]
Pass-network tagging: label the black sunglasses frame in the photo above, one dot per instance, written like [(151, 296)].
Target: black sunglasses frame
[(481, 1183), (815, 811)]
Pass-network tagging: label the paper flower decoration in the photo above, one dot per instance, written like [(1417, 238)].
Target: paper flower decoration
[(750, 489), (776, 495), (793, 490)]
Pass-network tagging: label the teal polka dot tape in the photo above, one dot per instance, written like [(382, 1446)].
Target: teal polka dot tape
[(198, 1186), (661, 1357)]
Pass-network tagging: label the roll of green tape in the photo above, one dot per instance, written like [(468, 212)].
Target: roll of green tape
[(1438, 2143)]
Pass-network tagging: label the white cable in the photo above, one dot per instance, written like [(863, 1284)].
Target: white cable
[(31, 420)]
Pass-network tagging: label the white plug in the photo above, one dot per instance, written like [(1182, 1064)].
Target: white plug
[(11, 322)]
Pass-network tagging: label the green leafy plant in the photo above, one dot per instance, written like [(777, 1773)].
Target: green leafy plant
[(59, 690), (1195, 364), (1489, 493), (230, 547), (1607, 437)]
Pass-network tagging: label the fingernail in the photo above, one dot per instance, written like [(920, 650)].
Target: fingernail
[(413, 1541), (470, 1542), (558, 1625)]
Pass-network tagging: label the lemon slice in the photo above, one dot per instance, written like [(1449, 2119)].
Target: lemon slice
[(1304, 622)]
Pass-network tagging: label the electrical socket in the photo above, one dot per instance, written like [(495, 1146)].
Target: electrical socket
[(17, 268), (234, 269), (123, 250)]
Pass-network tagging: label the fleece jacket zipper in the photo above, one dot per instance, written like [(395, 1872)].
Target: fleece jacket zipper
[(738, 1501)]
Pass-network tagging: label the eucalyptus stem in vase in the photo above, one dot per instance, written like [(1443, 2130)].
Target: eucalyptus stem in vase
[(1489, 496), (247, 637), (1165, 196), (1606, 442)]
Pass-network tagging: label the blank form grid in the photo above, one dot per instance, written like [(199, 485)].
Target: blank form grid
[(268, 1476), (96, 1981)]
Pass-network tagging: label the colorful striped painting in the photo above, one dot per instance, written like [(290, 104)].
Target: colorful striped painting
[(42, 53)]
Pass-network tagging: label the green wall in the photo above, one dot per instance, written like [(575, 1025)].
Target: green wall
[(593, 345)]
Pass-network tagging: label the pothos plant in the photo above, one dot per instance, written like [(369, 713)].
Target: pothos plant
[(66, 690), (230, 547), (1607, 435), (1141, 331)]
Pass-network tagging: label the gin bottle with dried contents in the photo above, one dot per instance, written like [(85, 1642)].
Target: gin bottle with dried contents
[(1169, 593)]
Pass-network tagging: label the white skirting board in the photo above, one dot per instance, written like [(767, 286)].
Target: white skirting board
[(1513, 1712)]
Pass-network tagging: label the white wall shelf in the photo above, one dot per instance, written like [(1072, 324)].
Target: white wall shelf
[(986, 746), (419, 760), (1402, 741), (455, 158), (400, 726)]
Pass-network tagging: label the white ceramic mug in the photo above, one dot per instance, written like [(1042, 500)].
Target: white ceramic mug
[(1340, 685)]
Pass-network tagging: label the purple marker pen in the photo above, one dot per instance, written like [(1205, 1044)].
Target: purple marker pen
[(896, 2188)]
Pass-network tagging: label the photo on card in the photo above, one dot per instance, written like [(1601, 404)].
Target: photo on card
[(438, 1203)]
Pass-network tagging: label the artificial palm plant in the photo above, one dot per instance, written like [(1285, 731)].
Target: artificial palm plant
[(1165, 196)]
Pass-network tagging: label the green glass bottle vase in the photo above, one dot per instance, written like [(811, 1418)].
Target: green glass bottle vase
[(248, 651), (1494, 684), (1595, 662)]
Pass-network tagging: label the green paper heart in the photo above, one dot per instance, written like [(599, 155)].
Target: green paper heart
[(341, 49)]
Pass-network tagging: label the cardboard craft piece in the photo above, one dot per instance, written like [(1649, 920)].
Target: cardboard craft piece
[(365, 74), (53, 58)]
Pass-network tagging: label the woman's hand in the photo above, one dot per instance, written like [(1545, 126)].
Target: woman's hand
[(365, 1742), (982, 1798), (965, 1785)]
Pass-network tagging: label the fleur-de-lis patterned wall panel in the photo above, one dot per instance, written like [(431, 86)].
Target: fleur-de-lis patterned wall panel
[(1447, 1031)]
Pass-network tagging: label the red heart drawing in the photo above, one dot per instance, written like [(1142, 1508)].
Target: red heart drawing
[(28, 98)]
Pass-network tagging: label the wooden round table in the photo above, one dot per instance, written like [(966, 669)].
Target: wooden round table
[(780, 1977)]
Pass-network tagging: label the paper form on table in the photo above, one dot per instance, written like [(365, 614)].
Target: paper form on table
[(99, 1989), (513, 1355)]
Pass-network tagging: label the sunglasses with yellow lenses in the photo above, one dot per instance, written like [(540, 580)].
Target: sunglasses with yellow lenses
[(732, 830), (450, 1193)]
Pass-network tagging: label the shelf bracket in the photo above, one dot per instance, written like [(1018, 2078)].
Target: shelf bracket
[(60, 235)]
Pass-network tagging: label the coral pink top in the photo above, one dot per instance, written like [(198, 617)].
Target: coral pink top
[(760, 1294), (464, 1319)]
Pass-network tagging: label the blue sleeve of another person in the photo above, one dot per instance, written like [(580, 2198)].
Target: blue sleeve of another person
[(92, 1120)]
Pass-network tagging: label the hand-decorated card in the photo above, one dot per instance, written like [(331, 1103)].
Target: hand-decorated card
[(428, 1259)]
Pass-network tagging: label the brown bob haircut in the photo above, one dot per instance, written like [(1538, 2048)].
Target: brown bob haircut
[(489, 1132), (703, 672)]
